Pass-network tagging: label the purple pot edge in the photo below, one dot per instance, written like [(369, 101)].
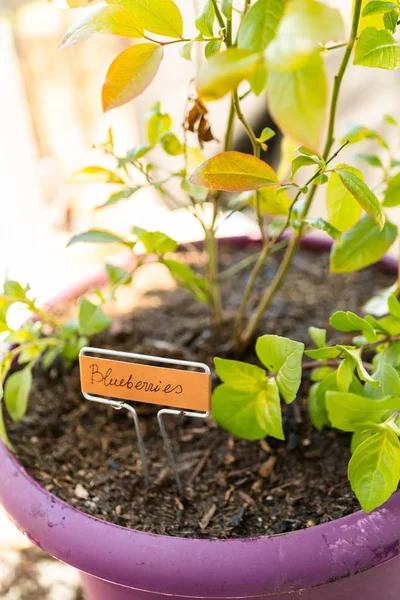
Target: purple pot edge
[(179, 566)]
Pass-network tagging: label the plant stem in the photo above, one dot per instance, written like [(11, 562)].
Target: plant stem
[(213, 275), (294, 244), (218, 14), (246, 125), (230, 126), (339, 77)]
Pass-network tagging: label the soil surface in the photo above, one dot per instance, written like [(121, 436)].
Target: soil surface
[(87, 453)]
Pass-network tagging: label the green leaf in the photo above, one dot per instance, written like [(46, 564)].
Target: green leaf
[(223, 72), (212, 47), (348, 321), (298, 100), (358, 133), (205, 20), (268, 410), (155, 242), (364, 196), (394, 307), (392, 192), (118, 197), (318, 336), (16, 393), (104, 19), (305, 26), (239, 375), (374, 470), (157, 123), (235, 411), (359, 437), (355, 354), (350, 412), (157, 16), (233, 172), (226, 7), (92, 320), (186, 51), (188, 279), (3, 431), (320, 373), (377, 48), (344, 374), (133, 155), (324, 353), (118, 276), (323, 225), (316, 408), (282, 357), (171, 144), (99, 236), (267, 134), (130, 74), (378, 305), (95, 175), (390, 20), (14, 290), (259, 26), (343, 209), (378, 7), (300, 162), (371, 159), (362, 245)]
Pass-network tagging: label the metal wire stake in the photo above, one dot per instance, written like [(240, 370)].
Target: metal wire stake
[(167, 444), (117, 406)]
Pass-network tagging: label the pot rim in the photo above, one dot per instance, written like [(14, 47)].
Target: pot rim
[(195, 567)]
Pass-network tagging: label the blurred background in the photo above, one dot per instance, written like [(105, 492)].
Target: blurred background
[(50, 115)]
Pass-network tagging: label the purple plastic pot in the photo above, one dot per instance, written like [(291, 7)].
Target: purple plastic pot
[(353, 558)]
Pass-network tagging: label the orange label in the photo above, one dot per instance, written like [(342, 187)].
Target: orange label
[(144, 383)]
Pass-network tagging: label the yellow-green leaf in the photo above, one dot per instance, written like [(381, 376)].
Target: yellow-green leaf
[(364, 196), (272, 201), (130, 74), (234, 172), (305, 25), (157, 16), (343, 210), (298, 101), (375, 20), (223, 72), (104, 19), (377, 48), (259, 26), (95, 174)]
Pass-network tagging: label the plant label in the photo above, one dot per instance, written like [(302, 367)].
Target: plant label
[(175, 388)]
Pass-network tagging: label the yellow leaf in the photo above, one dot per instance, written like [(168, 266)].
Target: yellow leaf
[(103, 19), (272, 203), (233, 172), (298, 101), (130, 74), (157, 16)]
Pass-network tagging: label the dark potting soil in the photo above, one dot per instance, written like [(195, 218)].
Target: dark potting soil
[(87, 454)]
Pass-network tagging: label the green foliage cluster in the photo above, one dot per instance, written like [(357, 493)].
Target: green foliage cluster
[(274, 49)]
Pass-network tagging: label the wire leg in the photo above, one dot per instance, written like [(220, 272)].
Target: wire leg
[(168, 448), (142, 449)]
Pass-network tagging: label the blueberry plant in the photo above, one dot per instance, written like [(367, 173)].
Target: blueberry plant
[(274, 50)]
